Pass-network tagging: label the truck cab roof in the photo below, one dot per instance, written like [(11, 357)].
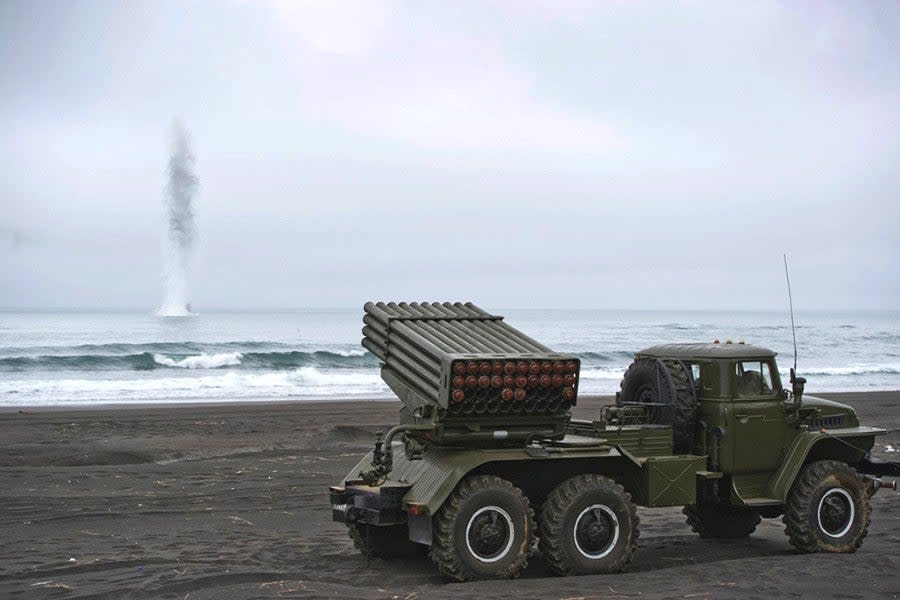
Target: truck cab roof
[(705, 351)]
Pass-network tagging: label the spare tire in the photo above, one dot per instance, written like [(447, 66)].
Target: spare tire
[(667, 384)]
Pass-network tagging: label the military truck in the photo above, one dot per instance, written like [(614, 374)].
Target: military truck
[(488, 466)]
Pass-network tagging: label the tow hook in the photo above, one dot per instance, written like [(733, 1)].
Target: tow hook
[(873, 484)]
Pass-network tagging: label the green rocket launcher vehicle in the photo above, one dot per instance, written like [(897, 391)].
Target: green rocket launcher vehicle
[(487, 465)]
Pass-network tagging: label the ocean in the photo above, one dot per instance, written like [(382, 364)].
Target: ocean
[(87, 358)]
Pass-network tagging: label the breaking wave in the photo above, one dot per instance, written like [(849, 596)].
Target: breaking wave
[(204, 361), (184, 357), (188, 355), (617, 357), (593, 373)]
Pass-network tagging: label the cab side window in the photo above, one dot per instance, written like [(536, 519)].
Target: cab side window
[(754, 378), (706, 378)]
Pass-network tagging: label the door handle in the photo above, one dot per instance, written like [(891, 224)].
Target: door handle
[(745, 418)]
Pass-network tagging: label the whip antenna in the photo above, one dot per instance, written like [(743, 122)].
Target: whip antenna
[(791, 305)]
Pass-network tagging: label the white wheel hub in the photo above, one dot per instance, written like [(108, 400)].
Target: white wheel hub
[(489, 534), (596, 531), (836, 512)]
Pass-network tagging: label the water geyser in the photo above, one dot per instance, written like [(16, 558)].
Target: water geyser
[(180, 190)]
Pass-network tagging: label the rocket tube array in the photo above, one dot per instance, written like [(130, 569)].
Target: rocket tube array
[(468, 361)]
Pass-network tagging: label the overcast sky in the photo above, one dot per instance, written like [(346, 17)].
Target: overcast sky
[(518, 154)]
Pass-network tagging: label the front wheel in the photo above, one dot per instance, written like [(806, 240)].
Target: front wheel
[(484, 530), (827, 509), (588, 525)]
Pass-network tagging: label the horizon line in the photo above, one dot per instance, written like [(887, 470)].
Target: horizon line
[(222, 309)]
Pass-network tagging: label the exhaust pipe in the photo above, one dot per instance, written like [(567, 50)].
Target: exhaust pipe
[(873, 484), (890, 485)]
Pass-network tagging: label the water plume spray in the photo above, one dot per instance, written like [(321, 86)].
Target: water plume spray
[(180, 191)]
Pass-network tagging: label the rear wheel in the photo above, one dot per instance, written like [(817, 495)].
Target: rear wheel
[(588, 524), (827, 509), (387, 542), (721, 521), (484, 530)]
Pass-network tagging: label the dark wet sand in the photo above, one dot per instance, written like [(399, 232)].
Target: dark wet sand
[(230, 501)]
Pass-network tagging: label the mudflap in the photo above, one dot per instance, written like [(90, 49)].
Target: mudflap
[(420, 529)]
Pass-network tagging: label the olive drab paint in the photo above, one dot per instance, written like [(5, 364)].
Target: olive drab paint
[(707, 426)]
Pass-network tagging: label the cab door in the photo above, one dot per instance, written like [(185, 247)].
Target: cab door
[(758, 423)]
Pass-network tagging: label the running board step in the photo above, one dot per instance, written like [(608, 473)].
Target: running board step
[(763, 502)]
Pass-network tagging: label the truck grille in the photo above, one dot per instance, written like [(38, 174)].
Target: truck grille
[(829, 422)]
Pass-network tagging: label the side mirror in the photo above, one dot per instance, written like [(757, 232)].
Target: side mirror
[(797, 385)]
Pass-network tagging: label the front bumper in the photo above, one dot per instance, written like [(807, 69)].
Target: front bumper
[(381, 505), (873, 466)]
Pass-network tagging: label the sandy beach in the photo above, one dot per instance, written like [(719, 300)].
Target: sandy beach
[(230, 501)]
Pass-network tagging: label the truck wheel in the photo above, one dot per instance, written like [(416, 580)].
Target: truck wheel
[(387, 542), (645, 382), (721, 521), (588, 525), (827, 509), (484, 530)]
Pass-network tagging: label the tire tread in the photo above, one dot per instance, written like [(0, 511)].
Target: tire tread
[(721, 522), (388, 542), (800, 534), (443, 551), (553, 511)]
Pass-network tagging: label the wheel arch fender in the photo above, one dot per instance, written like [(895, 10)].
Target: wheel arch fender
[(533, 472), (538, 477), (846, 445)]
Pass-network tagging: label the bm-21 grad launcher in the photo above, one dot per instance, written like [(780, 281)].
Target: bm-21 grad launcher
[(465, 376), (486, 440)]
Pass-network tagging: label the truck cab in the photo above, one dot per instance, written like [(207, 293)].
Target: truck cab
[(742, 412)]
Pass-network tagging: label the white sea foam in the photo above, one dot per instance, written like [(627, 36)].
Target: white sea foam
[(233, 385), (349, 352), (853, 370), (604, 373), (174, 308), (203, 361)]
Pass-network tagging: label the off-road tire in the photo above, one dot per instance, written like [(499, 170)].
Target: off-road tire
[(387, 542), (641, 382), (722, 522), (805, 515), (565, 509), (452, 549)]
